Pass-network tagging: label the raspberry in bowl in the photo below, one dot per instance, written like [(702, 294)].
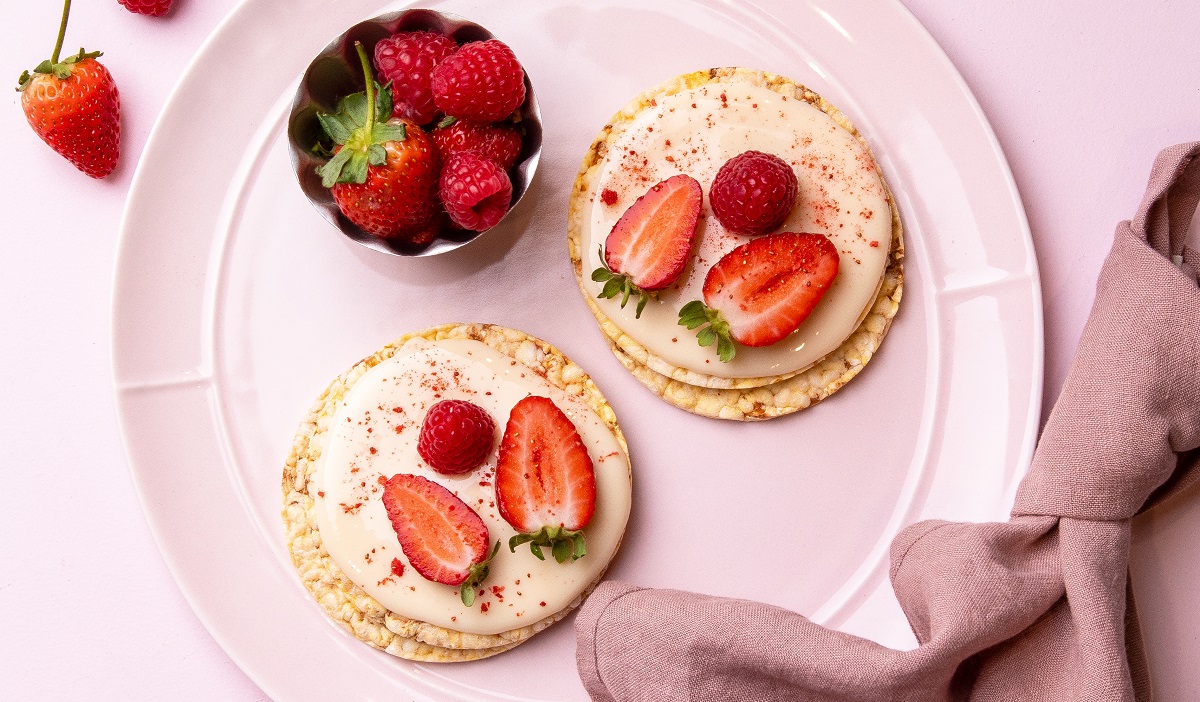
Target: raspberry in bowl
[(369, 153)]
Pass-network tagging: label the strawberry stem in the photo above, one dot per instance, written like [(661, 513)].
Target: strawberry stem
[(366, 66), (62, 31)]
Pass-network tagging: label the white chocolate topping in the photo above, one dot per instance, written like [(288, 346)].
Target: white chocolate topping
[(841, 195), (374, 435)]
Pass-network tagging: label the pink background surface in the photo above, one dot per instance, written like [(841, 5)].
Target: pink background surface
[(1080, 102)]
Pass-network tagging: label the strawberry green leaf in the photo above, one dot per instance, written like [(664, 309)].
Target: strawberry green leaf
[(613, 287), (355, 105), (389, 132), (619, 284), (376, 155), (334, 127), (475, 577), (725, 348), (356, 168), (331, 172), (383, 102), (693, 314), (447, 121), (696, 314), (565, 544)]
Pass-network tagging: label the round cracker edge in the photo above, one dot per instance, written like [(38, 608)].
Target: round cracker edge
[(344, 602), (740, 398)]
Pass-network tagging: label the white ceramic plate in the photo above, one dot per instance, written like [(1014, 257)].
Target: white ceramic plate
[(236, 303)]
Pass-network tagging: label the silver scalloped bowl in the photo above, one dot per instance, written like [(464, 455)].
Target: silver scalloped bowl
[(336, 72)]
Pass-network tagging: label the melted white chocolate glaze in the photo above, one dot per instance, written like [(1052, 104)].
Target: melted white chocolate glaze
[(841, 195), (374, 436)]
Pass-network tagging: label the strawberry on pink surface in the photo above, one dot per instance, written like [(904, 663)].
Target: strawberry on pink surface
[(384, 172), (481, 82), (545, 482), (154, 8), (500, 143), (444, 540), (753, 193), (474, 190), (73, 105), (760, 292), (406, 60), (456, 436), (650, 244)]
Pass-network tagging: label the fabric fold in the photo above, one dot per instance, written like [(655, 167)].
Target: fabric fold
[(1034, 608)]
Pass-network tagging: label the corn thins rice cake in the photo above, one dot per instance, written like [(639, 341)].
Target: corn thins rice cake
[(842, 195), (521, 595)]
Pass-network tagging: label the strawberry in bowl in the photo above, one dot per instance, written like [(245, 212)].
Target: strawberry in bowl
[(454, 88)]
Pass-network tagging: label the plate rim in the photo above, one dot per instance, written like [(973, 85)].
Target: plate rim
[(142, 174)]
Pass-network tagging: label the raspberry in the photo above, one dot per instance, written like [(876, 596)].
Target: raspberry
[(499, 143), (753, 193), (482, 82), (154, 8), (474, 190), (456, 436), (407, 60)]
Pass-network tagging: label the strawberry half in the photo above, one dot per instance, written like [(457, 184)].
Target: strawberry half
[(761, 291), (650, 244), (442, 537), (545, 483), (383, 173)]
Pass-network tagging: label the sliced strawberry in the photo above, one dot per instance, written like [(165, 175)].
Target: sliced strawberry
[(761, 291), (651, 243), (443, 538), (545, 484)]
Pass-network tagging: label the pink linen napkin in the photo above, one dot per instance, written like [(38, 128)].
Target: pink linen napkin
[(1037, 608)]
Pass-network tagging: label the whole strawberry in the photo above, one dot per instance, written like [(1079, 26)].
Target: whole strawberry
[(482, 82), (406, 60), (73, 106), (154, 8), (384, 172)]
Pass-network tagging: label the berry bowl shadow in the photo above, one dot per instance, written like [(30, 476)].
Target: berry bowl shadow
[(336, 73)]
